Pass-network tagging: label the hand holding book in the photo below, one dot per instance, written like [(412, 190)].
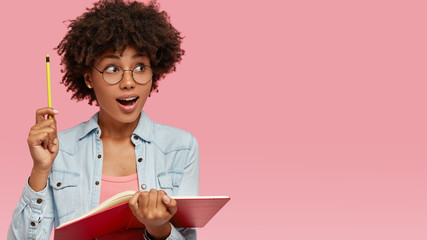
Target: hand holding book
[(154, 209)]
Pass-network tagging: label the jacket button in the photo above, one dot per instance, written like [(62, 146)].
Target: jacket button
[(99, 155), (58, 184), (39, 200), (143, 186), (97, 131), (135, 137), (139, 159), (96, 183), (33, 224)]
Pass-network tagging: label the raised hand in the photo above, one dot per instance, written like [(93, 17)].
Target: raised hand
[(43, 144)]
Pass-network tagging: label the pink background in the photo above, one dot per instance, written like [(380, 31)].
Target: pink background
[(309, 114)]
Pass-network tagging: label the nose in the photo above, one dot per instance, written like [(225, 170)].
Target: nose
[(127, 82)]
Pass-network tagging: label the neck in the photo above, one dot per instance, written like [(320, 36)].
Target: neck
[(111, 128)]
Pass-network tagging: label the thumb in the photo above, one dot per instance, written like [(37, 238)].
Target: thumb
[(170, 204)]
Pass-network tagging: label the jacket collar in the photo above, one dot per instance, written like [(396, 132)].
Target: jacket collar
[(143, 130)]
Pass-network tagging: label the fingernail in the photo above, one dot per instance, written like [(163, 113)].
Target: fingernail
[(53, 148), (166, 199), (55, 111), (55, 141)]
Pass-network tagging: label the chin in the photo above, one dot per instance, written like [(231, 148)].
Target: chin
[(129, 118), (117, 115)]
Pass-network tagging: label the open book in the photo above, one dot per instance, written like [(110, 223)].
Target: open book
[(114, 214)]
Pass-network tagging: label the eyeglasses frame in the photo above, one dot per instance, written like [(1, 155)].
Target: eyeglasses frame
[(124, 70)]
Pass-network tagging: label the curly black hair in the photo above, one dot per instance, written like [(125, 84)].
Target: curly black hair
[(114, 25)]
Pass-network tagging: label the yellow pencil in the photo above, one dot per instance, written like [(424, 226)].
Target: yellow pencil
[(49, 96)]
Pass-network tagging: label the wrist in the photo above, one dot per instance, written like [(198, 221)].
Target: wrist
[(41, 170), (38, 179), (159, 232)]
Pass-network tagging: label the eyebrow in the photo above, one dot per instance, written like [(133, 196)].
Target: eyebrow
[(110, 56), (138, 55), (117, 57)]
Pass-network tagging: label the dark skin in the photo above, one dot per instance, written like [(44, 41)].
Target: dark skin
[(119, 153), (153, 208)]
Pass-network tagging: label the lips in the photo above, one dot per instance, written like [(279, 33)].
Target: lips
[(127, 101)]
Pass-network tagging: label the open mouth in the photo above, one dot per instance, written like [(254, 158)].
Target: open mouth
[(127, 101)]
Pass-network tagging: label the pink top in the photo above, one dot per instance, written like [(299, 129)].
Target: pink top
[(110, 186)]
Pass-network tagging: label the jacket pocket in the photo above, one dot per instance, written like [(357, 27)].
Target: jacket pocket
[(64, 188), (169, 181)]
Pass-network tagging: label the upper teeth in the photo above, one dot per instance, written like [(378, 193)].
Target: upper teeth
[(128, 99)]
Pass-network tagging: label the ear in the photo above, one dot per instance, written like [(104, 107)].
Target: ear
[(88, 80)]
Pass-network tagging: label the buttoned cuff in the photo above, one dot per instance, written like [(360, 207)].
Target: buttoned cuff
[(36, 200)]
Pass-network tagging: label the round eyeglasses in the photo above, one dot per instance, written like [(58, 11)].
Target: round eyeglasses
[(113, 74)]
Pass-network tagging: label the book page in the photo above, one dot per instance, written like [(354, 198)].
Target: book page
[(112, 201)]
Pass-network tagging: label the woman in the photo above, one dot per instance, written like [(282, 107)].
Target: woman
[(114, 55)]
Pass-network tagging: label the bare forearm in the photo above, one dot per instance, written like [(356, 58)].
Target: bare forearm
[(161, 232), (38, 179)]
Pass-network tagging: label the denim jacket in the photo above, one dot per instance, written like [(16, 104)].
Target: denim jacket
[(167, 159)]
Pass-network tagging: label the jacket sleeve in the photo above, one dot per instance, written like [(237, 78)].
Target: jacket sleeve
[(33, 216), (189, 186)]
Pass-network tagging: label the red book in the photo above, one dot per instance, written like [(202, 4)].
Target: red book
[(114, 214)]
